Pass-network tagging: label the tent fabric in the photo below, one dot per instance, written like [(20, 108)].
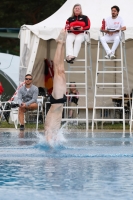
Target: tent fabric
[(96, 10), (28, 51)]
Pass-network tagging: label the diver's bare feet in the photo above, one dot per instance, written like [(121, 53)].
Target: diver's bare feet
[(62, 36)]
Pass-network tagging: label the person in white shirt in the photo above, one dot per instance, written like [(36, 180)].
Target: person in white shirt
[(113, 25)]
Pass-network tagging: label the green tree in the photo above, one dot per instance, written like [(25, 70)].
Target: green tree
[(14, 13)]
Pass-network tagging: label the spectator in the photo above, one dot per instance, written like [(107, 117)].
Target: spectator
[(76, 25), (27, 98), (1, 90), (113, 25), (73, 100)]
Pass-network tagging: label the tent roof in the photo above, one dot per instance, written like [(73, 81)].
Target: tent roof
[(96, 10)]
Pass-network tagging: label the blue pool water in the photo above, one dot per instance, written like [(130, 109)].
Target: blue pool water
[(85, 167)]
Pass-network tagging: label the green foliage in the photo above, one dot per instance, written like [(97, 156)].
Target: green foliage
[(14, 13), (10, 45)]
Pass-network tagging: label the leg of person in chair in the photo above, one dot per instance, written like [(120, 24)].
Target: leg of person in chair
[(32, 106), (21, 117), (54, 115)]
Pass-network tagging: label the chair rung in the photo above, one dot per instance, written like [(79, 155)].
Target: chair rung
[(108, 83), (112, 67), (76, 83), (76, 119), (108, 60), (107, 95), (108, 107), (108, 119), (110, 87), (75, 72), (6, 110), (109, 72), (80, 60)]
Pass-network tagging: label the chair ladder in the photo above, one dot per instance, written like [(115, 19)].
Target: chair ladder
[(104, 85), (84, 84)]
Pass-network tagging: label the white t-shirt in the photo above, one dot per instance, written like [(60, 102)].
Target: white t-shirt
[(116, 23)]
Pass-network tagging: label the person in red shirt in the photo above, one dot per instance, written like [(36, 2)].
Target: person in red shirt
[(75, 25), (1, 89)]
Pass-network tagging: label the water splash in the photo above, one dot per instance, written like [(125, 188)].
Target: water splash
[(57, 139)]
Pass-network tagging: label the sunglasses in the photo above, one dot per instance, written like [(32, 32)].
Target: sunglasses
[(28, 79)]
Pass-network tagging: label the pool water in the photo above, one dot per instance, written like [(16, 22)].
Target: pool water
[(87, 166)]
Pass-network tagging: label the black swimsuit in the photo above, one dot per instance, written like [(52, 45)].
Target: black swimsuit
[(55, 101)]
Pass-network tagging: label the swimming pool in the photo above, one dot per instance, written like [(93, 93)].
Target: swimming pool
[(86, 167)]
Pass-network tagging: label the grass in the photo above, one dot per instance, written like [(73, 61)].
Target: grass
[(4, 124), (106, 126)]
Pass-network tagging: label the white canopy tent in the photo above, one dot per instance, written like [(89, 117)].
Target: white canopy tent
[(36, 42)]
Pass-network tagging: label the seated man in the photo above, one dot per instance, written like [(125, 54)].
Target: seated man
[(113, 25), (73, 100), (27, 98)]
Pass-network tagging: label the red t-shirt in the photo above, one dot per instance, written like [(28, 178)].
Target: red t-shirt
[(1, 89)]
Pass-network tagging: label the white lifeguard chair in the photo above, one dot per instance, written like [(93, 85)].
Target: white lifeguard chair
[(82, 69), (106, 87)]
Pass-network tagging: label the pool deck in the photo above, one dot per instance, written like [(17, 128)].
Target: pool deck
[(70, 130)]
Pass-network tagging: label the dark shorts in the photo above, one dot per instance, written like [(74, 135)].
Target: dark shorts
[(55, 101)]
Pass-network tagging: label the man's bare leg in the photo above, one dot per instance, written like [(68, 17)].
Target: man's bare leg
[(59, 83), (32, 106)]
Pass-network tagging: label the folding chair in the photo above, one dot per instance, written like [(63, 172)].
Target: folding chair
[(39, 109)]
